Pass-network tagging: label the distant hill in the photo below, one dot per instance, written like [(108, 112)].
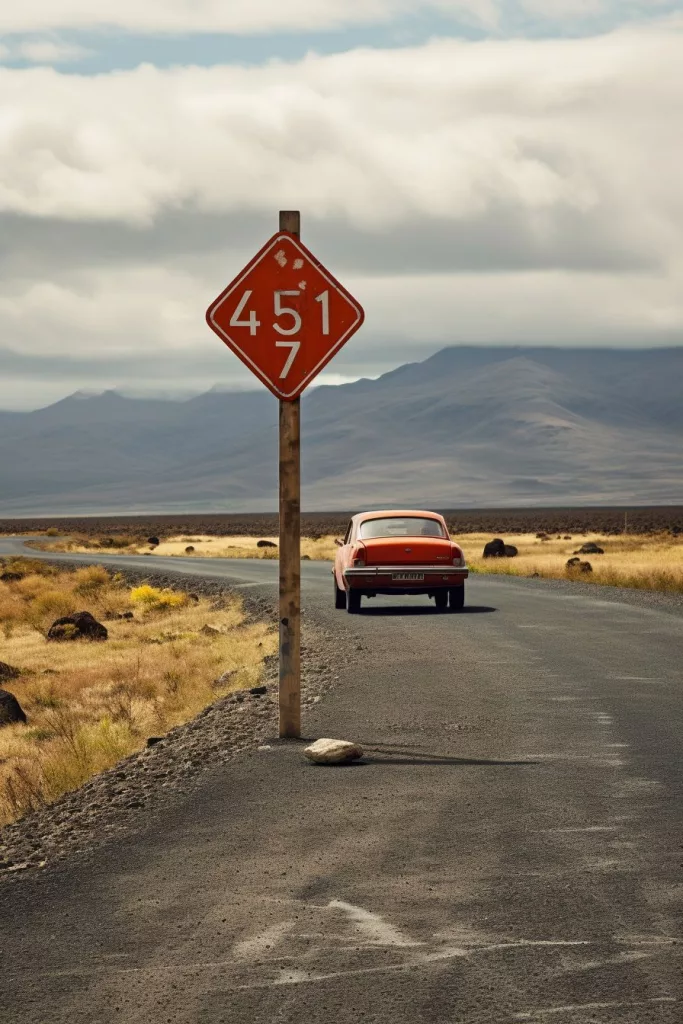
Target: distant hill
[(471, 426)]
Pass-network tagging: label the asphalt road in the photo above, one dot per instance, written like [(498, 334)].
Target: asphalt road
[(510, 851)]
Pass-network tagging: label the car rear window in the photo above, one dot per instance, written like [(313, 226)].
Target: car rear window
[(401, 526)]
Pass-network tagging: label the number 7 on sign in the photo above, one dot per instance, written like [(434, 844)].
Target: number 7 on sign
[(294, 346)]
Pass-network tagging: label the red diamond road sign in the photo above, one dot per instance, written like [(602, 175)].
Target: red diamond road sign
[(285, 316)]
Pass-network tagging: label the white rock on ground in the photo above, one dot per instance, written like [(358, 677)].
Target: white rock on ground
[(328, 751)]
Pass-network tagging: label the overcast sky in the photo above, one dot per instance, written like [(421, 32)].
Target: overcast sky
[(474, 171)]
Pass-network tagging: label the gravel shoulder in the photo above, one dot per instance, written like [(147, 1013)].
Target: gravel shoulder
[(135, 794)]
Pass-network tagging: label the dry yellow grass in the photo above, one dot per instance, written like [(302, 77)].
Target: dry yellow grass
[(90, 704), (208, 547), (653, 562)]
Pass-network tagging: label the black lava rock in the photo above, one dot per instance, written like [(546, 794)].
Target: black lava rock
[(495, 549), (79, 626), (11, 710)]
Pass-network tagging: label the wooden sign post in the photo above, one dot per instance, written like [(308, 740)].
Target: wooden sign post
[(290, 546), (286, 316)]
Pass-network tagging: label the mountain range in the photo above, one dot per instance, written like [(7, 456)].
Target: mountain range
[(468, 427)]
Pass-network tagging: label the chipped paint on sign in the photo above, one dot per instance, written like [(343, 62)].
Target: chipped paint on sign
[(281, 258)]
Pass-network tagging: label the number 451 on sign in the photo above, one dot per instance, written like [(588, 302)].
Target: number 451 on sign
[(285, 316)]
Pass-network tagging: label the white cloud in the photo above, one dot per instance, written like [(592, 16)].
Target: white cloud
[(244, 17), (538, 307), (564, 8), (49, 51), (449, 130), (618, 10), (237, 16), (509, 190)]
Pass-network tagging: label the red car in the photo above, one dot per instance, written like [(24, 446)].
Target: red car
[(399, 553)]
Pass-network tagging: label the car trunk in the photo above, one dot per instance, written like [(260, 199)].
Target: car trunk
[(408, 551)]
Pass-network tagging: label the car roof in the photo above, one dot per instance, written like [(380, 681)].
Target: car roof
[(386, 513)]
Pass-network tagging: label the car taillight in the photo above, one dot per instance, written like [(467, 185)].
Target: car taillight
[(358, 556), (458, 558)]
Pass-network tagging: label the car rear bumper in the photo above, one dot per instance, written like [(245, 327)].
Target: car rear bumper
[(381, 578)]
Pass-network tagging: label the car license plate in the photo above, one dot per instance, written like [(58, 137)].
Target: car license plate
[(408, 576)]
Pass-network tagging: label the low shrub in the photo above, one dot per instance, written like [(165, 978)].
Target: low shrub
[(91, 580), (23, 566), (152, 599)]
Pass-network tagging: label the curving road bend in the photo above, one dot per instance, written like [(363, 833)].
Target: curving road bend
[(510, 851)]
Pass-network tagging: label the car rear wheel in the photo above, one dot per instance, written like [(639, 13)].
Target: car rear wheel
[(456, 598), (353, 601), (441, 600), (339, 596)]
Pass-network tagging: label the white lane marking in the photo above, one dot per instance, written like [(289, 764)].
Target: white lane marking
[(295, 977), (538, 625), (637, 679), (376, 930), (619, 959), (575, 1007), (560, 757), (635, 787), (524, 943), (606, 864), (586, 828), (292, 976), (257, 945)]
